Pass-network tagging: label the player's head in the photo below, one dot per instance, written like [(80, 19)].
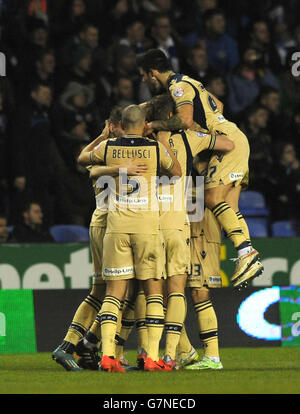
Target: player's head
[(163, 107), (114, 122), (152, 64), (134, 119)]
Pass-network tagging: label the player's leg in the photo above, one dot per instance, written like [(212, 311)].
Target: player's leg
[(175, 315), (215, 200), (205, 273), (86, 312), (224, 172), (127, 320), (208, 330), (153, 289), (256, 268), (177, 247), (140, 324), (117, 270), (151, 272)]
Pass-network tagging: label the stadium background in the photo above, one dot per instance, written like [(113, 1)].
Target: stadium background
[(67, 64)]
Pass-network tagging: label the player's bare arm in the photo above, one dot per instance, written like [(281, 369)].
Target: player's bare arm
[(223, 143), (163, 138), (85, 155), (183, 119), (130, 166)]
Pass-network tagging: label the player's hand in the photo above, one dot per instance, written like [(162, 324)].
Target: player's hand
[(148, 129), (105, 132), (134, 168)]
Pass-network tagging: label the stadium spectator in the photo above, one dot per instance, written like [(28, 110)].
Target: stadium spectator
[(261, 159), (123, 92), (197, 65), (88, 37), (261, 42), (5, 234), (66, 22), (287, 184), (165, 40), (216, 84), (244, 83), (222, 50), (76, 200), (31, 229), (284, 40), (36, 163), (44, 70), (73, 131), (269, 98), (135, 36), (77, 99), (123, 64), (37, 41), (79, 71), (194, 24)]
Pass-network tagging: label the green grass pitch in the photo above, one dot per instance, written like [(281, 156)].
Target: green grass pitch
[(246, 371)]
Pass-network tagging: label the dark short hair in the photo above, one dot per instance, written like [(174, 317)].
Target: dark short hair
[(35, 86), (115, 115), (266, 90), (154, 59), (253, 109), (209, 14), (28, 203), (162, 106)]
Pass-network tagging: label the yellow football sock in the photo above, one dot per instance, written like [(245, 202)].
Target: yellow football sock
[(127, 323), (228, 219), (140, 320), (208, 327), (244, 225), (175, 316), (83, 318), (184, 344), (154, 323), (108, 318)]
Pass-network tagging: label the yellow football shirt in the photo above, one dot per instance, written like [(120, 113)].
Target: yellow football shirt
[(207, 116), (185, 145), (134, 203)]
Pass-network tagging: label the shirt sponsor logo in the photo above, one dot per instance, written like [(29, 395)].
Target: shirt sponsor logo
[(166, 198), (221, 118), (217, 280), (201, 134), (118, 271), (167, 153), (179, 92), (235, 176), (132, 200)]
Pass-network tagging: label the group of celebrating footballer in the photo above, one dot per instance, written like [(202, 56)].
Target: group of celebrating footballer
[(145, 249)]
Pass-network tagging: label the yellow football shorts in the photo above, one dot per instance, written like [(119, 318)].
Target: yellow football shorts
[(128, 256), (231, 167), (177, 250), (205, 253)]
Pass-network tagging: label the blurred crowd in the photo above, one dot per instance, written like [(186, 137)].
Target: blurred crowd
[(69, 62)]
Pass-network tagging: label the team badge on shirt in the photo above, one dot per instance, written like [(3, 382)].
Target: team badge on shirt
[(179, 92)]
